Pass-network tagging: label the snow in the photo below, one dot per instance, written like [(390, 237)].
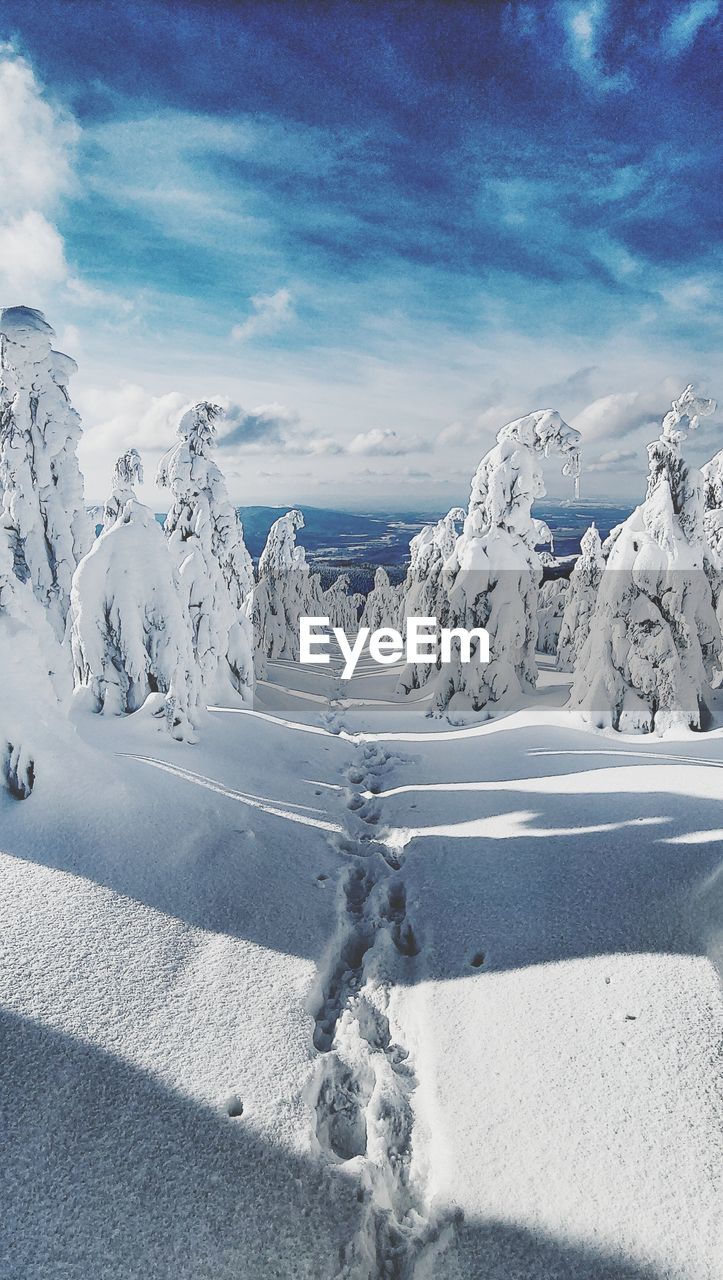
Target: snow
[(319, 986), (414, 992)]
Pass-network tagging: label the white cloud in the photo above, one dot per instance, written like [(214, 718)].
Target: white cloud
[(32, 257), (383, 441), (271, 311), (36, 169), (117, 418), (682, 31), (38, 140), (612, 416)]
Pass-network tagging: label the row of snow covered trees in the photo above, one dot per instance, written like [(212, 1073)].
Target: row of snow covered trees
[(171, 618), (165, 618), (639, 622)]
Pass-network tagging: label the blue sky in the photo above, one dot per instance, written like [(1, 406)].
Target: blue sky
[(376, 232)]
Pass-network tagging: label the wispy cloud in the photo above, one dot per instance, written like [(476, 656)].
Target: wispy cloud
[(681, 32), (585, 28), (270, 312)]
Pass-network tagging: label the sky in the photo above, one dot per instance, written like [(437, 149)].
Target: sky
[(374, 233)]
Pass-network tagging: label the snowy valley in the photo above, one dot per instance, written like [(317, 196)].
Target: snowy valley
[(414, 975)]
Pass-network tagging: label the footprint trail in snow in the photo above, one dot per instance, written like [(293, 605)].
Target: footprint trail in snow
[(362, 1093)]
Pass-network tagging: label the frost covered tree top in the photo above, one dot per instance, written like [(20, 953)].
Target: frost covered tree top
[(281, 553), (591, 546), (509, 477), (689, 408), (128, 471)]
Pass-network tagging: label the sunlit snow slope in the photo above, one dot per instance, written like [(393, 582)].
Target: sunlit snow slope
[(342, 992)]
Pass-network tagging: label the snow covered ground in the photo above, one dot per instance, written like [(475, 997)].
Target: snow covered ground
[(342, 991)]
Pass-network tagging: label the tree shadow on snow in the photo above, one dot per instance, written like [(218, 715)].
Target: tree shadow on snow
[(108, 1173)]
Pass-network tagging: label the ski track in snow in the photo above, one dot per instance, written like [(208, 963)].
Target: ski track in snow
[(363, 1087)]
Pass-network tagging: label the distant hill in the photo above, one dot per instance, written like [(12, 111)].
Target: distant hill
[(355, 543)]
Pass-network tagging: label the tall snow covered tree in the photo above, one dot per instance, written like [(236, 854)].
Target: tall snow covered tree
[(286, 591), (339, 607), (29, 654), (206, 538), (492, 576), (428, 551), (39, 472), (130, 634), (423, 591), (580, 600), (713, 502), (382, 605), (550, 609), (654, 639)]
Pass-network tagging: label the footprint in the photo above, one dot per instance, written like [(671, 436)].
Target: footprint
[(341, 1124)]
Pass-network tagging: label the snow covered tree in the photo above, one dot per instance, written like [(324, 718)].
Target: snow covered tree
[(29, 656), (713, 502), (550, 609), (39, 473), (339, 607), (423, 592), (492, 576), (130, 634), (382, 605), (654, 639), (215, 568), (286, 591), (579, 603), (428, 551), (128, 471)]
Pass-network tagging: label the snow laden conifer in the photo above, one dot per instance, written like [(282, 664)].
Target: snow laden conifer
[(579, 603), (29, 656), (130, 634), (423, 592), (382, 605), (127, 472), (713, 502), (550, 609), (340, 607), (491, 579), (713, 527), (39, 473), (654, 639), (285, 592), (206, 539)]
